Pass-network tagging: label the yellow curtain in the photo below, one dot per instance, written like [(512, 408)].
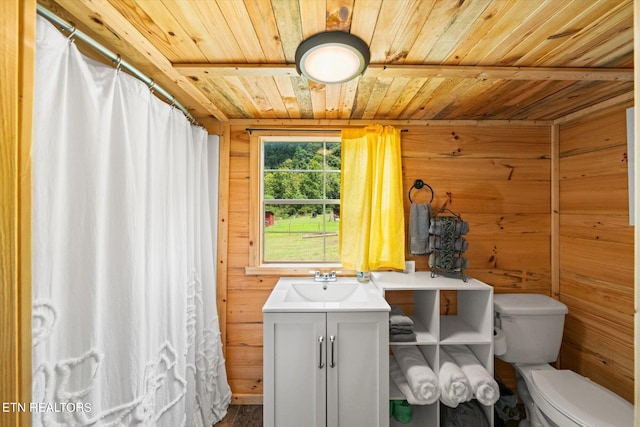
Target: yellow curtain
[(371, 209)]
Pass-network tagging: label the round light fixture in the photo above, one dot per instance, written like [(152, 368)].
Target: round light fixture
[(332, 57)]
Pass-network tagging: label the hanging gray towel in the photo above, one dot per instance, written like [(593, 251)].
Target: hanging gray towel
[(419, 220)]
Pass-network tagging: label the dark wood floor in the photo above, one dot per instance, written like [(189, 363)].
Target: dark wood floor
[(242, 416), (251, 416)]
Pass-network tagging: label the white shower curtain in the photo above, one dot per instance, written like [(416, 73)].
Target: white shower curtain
[(125, 327)]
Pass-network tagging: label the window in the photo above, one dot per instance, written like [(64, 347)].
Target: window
[(296, 202), (300, 200)]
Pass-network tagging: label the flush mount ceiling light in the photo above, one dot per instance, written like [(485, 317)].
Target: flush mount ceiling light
[(332, 57)]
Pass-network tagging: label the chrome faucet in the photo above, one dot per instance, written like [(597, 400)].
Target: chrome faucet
[(324, 277)]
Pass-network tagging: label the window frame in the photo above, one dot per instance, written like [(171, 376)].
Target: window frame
[(256, 211)]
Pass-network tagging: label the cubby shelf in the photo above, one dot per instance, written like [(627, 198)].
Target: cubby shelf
[(471, 325), (423, 335)]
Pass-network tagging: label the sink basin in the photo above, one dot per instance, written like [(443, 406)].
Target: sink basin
[(324, 292), (304, 294)]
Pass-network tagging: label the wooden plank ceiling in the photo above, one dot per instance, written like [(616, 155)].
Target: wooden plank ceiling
[(431, 59)]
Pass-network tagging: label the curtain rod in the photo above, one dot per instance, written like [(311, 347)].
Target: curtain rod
[(300, 130), (120, 63)]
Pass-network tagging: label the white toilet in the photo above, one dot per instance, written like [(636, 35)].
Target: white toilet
[(532, 327)]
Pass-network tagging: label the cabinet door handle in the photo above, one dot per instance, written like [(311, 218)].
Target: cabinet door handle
[(320, 340), (332, 338)]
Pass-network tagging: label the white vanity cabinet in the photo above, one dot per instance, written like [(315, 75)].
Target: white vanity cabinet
[(326, 369)]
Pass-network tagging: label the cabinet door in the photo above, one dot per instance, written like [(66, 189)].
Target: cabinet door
[(295, 369), (358, 370)]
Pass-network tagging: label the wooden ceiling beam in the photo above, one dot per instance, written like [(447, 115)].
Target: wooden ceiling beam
[(500, 73), (236, 70), (419, 71)]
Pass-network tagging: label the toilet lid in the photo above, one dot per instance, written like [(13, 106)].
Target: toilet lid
[(582, 400)]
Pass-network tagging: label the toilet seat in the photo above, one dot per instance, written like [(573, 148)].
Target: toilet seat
[(581, 400)]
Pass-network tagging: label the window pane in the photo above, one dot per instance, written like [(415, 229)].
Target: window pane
[(333, 154), (278, 185), (332, 185), (301, 233), (294, 185), (293, 155)]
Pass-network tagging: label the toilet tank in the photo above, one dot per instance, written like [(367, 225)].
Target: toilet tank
[(532, 325)]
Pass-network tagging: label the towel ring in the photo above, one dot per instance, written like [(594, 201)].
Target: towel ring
[(418, 184)]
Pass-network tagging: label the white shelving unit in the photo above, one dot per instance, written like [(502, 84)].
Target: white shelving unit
[(472, 325)]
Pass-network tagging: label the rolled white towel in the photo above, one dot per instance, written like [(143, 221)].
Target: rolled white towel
[(400, 381), (484, 386), (454, 384), (421, 378)]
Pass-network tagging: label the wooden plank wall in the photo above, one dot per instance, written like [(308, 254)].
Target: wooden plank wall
[(16, 118), (597, 250), (496, 176)]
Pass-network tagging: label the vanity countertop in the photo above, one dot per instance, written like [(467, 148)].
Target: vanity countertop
[(304, 294)]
